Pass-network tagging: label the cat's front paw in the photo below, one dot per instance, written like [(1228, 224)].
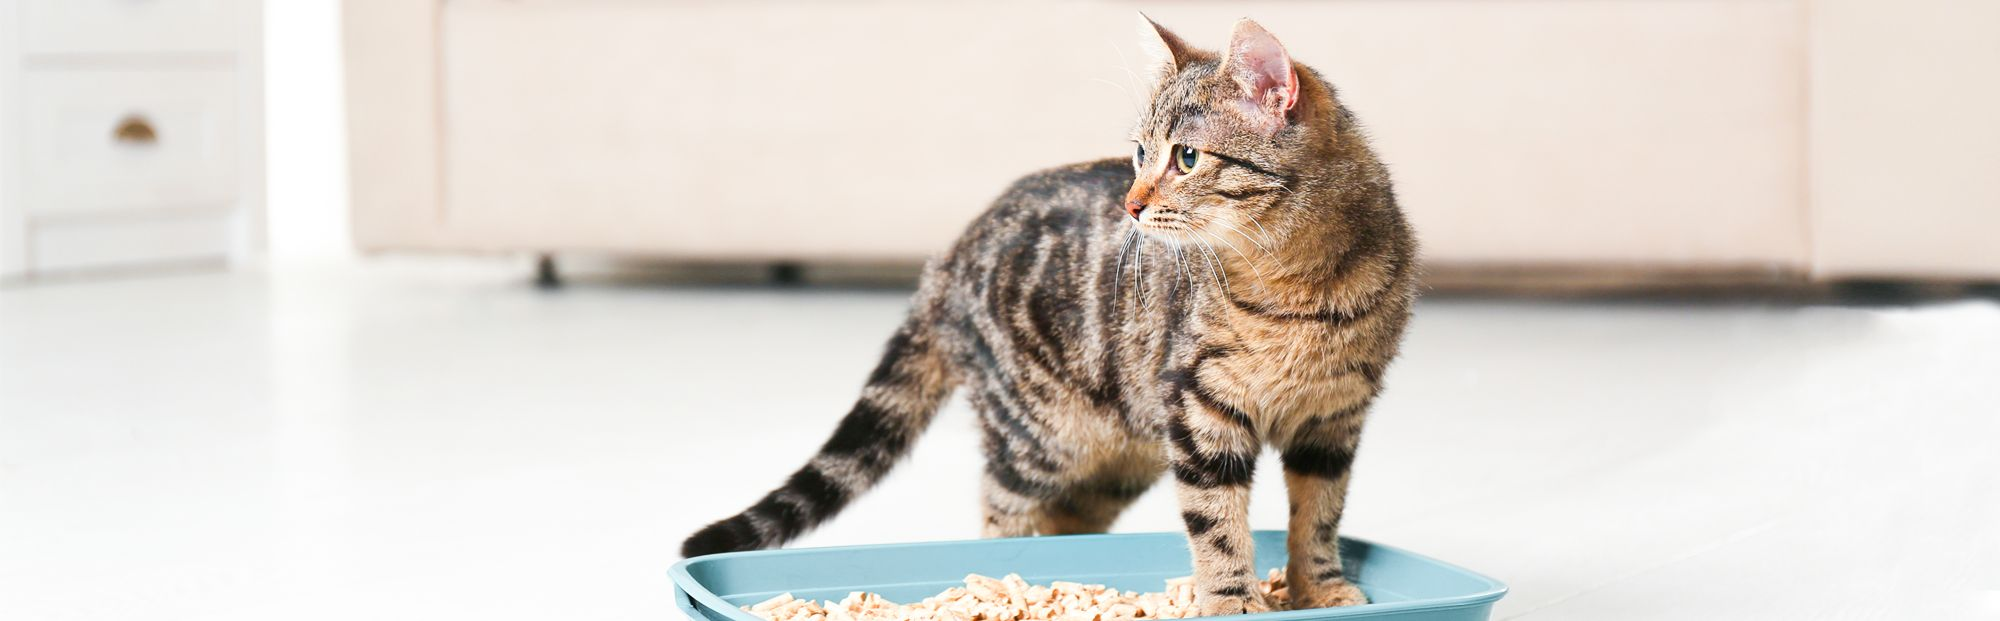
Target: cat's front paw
[(1235, 601), (1329, 594)]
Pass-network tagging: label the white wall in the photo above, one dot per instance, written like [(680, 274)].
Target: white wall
[(306, 137)]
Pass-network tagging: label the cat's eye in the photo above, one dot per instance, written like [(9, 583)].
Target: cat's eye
[(1186, 157), (1139, 157)]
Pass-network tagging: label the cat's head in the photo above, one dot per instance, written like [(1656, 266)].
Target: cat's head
[(1226, 136)]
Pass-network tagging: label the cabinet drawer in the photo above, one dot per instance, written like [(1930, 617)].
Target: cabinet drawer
[(112, 140), (120, 26), (60, 245)]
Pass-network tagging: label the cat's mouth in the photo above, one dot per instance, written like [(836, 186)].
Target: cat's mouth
[(1175, 232), (1212, 234), (1167, 224)]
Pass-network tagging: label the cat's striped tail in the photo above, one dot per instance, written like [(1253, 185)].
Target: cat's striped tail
[(902, 395)]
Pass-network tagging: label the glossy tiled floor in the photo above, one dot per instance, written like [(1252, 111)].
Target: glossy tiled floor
[(436, 441)]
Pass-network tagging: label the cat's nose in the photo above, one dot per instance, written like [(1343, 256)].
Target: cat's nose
[(1134, 207)]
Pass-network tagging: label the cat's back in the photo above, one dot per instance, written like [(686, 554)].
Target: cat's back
[(1036, 255), (1053, 211), (1089, 186), (1058, 202)]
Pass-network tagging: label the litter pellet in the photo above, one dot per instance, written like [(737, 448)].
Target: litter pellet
[(1010, 599)]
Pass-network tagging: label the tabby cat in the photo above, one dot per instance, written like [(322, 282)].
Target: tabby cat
[(1242, 281)]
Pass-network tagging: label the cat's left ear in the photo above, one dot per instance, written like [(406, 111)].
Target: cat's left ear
[(1166, 54), (1259, 64)]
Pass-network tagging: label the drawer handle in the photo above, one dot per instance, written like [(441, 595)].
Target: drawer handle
[(135, 130)]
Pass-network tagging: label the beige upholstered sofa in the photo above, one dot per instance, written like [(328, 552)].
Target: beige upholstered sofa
[(1794, 139)]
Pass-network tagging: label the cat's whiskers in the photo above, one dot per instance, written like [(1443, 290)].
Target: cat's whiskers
[(1191, 265), (1138, 271), (1125, 65), (1260, 227), (1180, 259), (1246, 258), (1214, 262), (1118, 275), (1248, 237), (1128, 92), (1180, 232)]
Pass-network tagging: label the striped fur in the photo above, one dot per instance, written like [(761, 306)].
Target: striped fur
[(1256, 301)]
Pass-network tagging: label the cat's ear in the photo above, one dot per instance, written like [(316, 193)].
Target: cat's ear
[(1259, 64), (1165, 52)]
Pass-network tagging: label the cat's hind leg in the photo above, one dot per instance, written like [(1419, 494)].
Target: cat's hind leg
[(1041, 483), (1005, 512), (1092, 505), (1067, 508), (1084, 497), (1021, 474)]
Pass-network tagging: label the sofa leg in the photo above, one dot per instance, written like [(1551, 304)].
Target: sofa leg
[(788, 274), (1866, 292), (546, 276)]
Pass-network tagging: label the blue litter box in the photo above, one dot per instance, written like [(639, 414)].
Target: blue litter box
[(1400, 585)]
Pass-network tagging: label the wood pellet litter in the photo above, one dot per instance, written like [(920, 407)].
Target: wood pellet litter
[(1010, 599)]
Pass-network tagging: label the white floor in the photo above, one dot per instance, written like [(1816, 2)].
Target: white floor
[(432, 441)]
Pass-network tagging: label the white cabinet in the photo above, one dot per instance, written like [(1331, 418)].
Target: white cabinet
[(130, 133), (134, 26)]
